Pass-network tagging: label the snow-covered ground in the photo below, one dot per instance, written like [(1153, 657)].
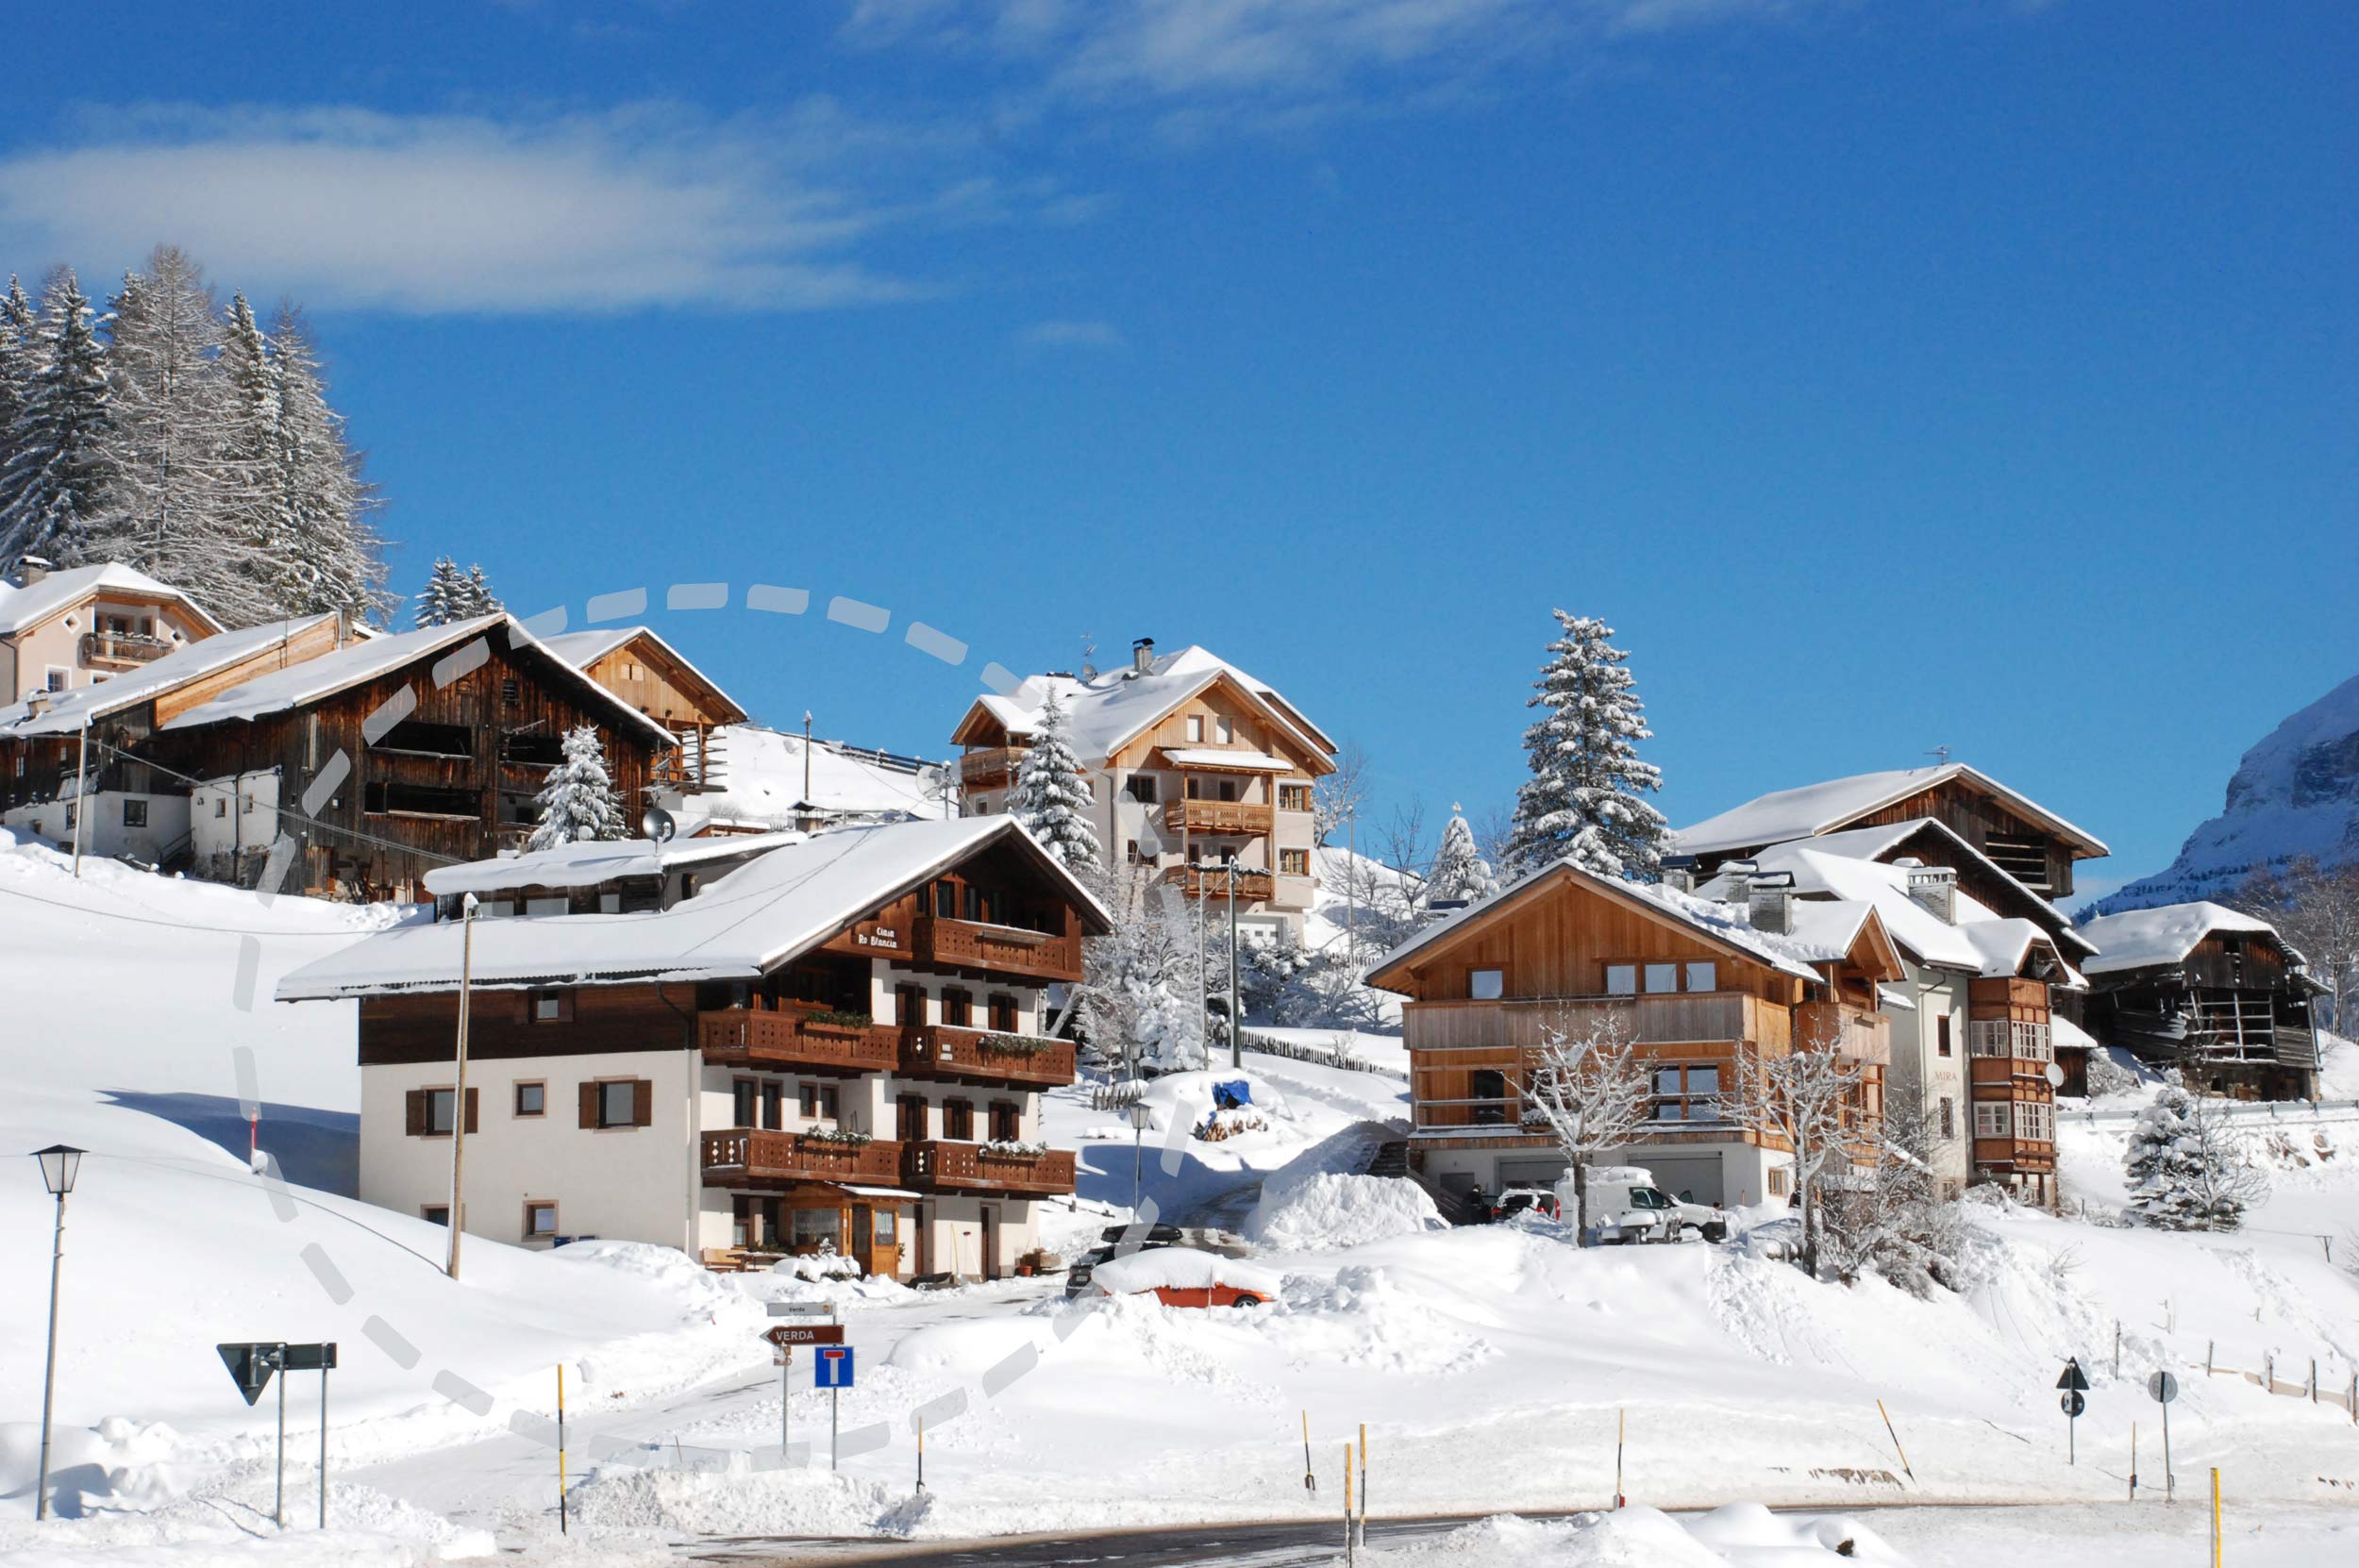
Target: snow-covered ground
[(1494, 1367)]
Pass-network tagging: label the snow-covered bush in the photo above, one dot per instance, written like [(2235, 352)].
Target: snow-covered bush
[(2108, 1076), (2186, 1170)]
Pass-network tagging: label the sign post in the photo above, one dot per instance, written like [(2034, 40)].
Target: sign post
[(832, 1369), (2165, 1388), (311, 1357), (2075, 1384), (250, 1367)]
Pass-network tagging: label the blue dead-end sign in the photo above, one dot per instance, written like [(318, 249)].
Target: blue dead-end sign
[(831, 1366)]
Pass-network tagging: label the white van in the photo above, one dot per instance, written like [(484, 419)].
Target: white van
[(1625, 1205)]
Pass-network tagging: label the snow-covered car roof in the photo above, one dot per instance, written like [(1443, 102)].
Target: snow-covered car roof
[(1183, 1269), (1813, 809)]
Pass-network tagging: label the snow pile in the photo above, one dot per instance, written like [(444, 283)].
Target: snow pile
[(736, 1498), (1745, 1535), (1184, 1269), (1334, 1210)]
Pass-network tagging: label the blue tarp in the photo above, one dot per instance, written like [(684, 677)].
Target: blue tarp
[(1228, 1096)]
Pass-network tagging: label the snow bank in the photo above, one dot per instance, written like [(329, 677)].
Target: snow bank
[(1746, 1535), (736, 1498), (1334, 1210)]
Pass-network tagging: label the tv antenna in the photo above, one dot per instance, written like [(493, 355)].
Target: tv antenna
[(1940, 753)]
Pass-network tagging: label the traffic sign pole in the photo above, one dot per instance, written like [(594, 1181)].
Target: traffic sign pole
[(279, 1510), (786, 1396)]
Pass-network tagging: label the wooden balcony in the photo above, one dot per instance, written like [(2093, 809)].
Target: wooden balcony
[(991, 766), (995, 949), (2014, 1156), (744, 1157), (935, 1051), (1512, 1028), (1217, 816), (742, 1038), (942, 1167), (1854, 1035), (1253, 887), (121, 650)]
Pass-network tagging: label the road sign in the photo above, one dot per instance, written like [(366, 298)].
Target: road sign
[(801, 1310), (2073, 1403), (806, 1333), (2163, 1388), (2073, 1377), (832, 1367), (307, 1357), (250, 1366)]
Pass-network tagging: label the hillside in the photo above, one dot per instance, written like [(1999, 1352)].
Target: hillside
[(2295, 794)]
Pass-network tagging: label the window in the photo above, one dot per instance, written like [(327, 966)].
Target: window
[(435, 1213), (1948, 1114), (510, 693), (1293, 862), (1141, 788), (426, 1112), (430, 740), (1003, 1013), (1195, 728), (1703, 977), (818, 1228), (58, 679), (548, 1007), (1293, 797), (438, 1109), (72, 812), (1488, 1088), (540, 1220), (617, 1102), (817, 1102), (1007, 1123), (1621, 979), (1661, 977), (742, 1092), (1486, 985), (958, 1121), (946, 899), (1986, 1036), (957, 1007), (773, 1105), (1991, 1119), (1131, 852), (532, 1099), (1684, 1094), (135, 813), (1781, 1181), (1941, 1047), (1227, 730), (548, 906), (221, 807), (2036, 1122)]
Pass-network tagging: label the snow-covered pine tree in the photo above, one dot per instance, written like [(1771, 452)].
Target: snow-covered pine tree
[(480, 600), (249, 457), (1141, 1005), (1051, 797), (1459, 869), (331, 557), (17, 324), (2186, 1170), (1584, 800), (578, 804), (57, 463), (445, 596)]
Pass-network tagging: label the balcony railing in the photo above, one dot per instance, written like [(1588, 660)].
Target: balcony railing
[(938, 1166), (991, 765), (1689, 1018), (744, 1155), (1855, 1036), (745, 1038), (122, 647), (938, 1051), (1253, 887), (1001, 949), (1216, 816)]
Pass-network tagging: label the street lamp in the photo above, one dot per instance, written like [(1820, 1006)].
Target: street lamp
[(467, 907), (59, 1164)]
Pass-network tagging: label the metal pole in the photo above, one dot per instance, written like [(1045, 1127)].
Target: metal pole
[(2170, 1482), (81, 802), (920, 1453), (1236, 1007), (458, 1098), (805, 756), (49, 1377), (836, 1400), (560, 1448), (279, 1508), (323, 1447), (786, 1397)]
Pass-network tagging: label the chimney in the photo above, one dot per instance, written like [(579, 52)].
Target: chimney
[(344, 626), (1678, 872), (1936, 887), (1143, 655), (1739, 874), (1770, 900), (30, 570)]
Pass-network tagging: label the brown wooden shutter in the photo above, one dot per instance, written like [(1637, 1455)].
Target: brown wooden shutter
[(471, 1094), (413, 1113), (589, 1105), (641, 1103)]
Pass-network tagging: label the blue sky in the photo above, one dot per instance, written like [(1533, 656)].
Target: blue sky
[(1975, 374)]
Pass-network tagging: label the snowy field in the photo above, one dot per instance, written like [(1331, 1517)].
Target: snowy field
[(1494, 1367)]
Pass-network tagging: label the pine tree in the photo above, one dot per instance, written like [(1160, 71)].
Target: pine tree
[(1141, 1002), (1459, 869), (248, 453), (578, 804), (1584, 799), (1051, 798), (447, 596), (57, 463), (2186, 1170), (329, 556), (17, 325), (480, 600)]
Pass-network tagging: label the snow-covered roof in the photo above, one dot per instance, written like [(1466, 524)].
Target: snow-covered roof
[(1214, 757), (316, 678), (61, 712), (33, 602), (1825, 930), (2165, 935), (742, 925), (1815, 808), (595, 863), (582, 649), (1874, 843), (1113, 707)]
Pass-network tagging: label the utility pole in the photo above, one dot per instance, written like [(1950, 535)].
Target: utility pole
[(458, 1097), (805, 756), (82, 795), (1236, 1003), (1351, 887)]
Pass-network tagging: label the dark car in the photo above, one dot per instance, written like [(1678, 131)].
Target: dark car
[(1076, 1279)]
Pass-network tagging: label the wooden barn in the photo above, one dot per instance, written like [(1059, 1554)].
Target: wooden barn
[(2209, 989)]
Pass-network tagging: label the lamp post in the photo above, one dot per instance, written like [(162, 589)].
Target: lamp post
[(59, 1163), (467, 907)]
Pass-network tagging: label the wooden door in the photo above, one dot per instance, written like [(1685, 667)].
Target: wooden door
[(909, 1006), (910, 1118), (991, 1240)]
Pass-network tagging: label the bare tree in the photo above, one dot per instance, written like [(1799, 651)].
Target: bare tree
[(1806, 1097), (1591, 1089), (2316, 908), (1341, 794), (1494, 831), (1892, 1216)]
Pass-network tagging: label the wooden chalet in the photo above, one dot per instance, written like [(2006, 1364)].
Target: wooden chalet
[(654, 677), (2210, 991)]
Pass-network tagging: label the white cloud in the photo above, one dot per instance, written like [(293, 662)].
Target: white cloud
[(646, 205), (1072, 334)]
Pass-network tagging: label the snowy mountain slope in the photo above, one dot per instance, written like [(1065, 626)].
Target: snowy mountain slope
[(2295, 794), (761, 781)]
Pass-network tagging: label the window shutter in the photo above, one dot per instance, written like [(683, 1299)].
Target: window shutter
[(641, 1103), (589, 1105), (471, 1094), (413, 1113)]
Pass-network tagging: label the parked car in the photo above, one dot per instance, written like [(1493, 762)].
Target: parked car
[(1150, 1239), (1187, 1276), (1523, 1199), (1625, 1205)]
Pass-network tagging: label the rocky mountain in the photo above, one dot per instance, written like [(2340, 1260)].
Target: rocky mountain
[(2295, 794)]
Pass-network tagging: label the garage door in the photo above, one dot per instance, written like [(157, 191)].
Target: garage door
[(1529, 1172), (1695, 1177)]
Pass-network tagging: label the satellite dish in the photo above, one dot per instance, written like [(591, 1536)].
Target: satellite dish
[(2055, 1075), (657, 824)]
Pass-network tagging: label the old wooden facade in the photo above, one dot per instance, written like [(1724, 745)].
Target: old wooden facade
[(2229, 1005)]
